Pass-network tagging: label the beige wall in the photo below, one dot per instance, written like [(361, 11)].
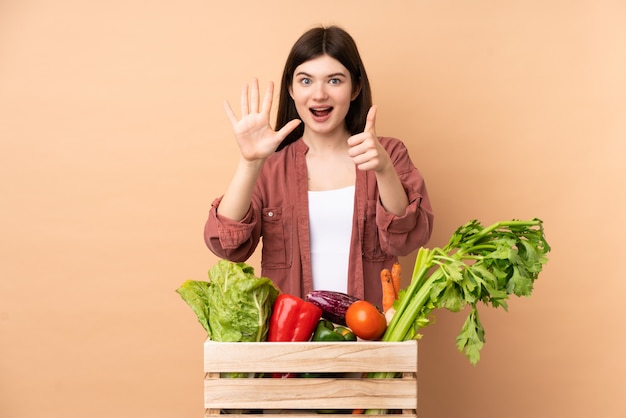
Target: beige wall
[(113, 143)]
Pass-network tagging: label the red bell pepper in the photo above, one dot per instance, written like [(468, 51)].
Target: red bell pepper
[(293, 319)]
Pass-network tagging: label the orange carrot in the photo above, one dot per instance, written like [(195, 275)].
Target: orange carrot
[(389, 294), (396, 277)]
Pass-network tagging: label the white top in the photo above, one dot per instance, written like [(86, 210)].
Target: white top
[(330, 220)]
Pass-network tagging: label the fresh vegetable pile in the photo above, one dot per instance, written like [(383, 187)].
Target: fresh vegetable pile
[(235, 305), (478, 265)]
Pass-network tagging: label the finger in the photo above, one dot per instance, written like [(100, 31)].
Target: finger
[(366, 160), (244, 100), (360, 160), (359, 147), (353, 141), (267, 100), (254, 96), (229, 112), (370, 121), (288, 128)]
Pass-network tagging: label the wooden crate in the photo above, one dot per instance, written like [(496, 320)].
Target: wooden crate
[(345, 389)]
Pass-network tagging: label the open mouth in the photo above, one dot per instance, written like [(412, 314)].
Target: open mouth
[(321, 111)]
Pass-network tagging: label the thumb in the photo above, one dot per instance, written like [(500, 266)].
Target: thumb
[(288, 128), (370, 121)]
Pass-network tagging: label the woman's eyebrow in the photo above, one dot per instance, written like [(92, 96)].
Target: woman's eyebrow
[(336, 75), (333, 75)]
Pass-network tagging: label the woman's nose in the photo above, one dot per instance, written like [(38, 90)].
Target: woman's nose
[(319, 91)]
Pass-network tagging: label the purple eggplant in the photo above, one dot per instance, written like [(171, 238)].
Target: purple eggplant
[(333, 304)]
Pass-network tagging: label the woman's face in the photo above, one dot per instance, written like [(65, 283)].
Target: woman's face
[(322, 91)]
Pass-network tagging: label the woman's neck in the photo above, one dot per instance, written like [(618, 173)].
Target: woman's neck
[(329, 168), (326, 144)]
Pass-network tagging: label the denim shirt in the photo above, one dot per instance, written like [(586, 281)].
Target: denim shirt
[(278, 217)]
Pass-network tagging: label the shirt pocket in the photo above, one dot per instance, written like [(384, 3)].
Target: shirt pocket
[(371, 239), (276, 232)]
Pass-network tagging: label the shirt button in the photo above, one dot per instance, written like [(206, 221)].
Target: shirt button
[(270, 214)]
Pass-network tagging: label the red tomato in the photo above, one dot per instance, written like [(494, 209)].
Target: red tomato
[(365, 320)]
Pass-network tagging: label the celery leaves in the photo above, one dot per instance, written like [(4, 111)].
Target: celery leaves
[(478, 264)]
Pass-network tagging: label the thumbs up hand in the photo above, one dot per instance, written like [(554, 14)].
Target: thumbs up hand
[(365, 150)]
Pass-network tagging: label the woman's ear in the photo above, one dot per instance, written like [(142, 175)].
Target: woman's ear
[(356, 92)]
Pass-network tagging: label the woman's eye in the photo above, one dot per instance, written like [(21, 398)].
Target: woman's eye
[(335, 81), (305, 81)]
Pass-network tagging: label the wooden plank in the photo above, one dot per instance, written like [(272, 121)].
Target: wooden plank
[(311, 357), (315, 393)]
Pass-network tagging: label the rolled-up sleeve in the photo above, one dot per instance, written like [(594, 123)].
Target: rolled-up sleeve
[(233, 240), (400, 235)]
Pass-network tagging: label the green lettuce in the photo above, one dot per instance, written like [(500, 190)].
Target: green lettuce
[(234, 305)]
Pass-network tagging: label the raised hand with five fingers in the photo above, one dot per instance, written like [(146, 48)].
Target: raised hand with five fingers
[(255, 137), (257, 141)]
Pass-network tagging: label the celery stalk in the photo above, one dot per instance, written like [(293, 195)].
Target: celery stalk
[(478, 264)]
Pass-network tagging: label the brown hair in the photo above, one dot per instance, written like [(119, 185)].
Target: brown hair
[(338, 44)]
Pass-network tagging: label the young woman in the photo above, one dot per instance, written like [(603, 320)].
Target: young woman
[(332, 202)]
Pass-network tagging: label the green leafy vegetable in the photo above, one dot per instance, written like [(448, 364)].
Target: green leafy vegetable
[(234, 305), (196, 294), (477, 265)]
